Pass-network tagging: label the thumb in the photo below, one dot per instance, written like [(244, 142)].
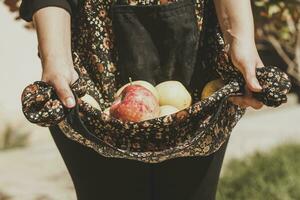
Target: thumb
[(64, 92), (249, 74)]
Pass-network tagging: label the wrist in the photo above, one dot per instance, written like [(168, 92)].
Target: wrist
[(232, 36), (58, 57), (57, 61), (235, 31), (55, 69)]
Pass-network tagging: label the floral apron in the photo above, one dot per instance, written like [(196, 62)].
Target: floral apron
[(146, 40)]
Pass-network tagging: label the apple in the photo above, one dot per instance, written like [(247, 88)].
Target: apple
[(167, 110), (173, 93), (135, 103), (145, 84), (91, 101), (211, 87)]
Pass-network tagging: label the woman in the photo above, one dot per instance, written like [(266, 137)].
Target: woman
[(96, 177)]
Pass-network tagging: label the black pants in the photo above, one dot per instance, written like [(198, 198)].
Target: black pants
[(98, 178)]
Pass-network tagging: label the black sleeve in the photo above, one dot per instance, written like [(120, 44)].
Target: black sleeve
[(29, 7)]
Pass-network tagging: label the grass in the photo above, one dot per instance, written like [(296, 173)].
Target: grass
[(13, 138), (274, 175)]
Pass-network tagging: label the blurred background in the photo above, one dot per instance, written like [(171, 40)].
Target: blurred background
[(262, 161)]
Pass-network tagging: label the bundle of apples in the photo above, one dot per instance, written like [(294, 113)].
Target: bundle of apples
[(139, 100)]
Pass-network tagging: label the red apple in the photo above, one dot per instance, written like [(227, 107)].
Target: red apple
[(135, 103)]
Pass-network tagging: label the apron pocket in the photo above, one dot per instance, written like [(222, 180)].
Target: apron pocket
[(156, 43)]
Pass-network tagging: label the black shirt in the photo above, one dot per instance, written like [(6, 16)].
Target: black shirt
[(29, 7)]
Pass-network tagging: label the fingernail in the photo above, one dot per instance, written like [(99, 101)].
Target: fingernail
[(70, 102), (256, 84)]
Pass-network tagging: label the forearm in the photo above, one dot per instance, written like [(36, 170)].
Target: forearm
[(54, 35), (53, 26), (236, 19)]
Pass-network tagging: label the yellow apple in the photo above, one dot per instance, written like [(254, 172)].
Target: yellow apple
[(167, 110), (173, 93), (211, 87)]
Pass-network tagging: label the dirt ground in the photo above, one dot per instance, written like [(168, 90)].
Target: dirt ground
[(37, 172)]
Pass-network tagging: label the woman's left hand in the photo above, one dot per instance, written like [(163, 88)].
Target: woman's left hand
[(245, 57)]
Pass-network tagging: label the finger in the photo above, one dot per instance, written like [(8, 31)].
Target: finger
[(75, 77), (246, 101), (259, 63), (64, 92), (251, 80), (252, 102), (239, 101)]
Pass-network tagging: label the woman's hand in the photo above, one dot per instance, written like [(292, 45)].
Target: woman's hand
[(61, 75), (245, 57), (236, 21), (53, 26)]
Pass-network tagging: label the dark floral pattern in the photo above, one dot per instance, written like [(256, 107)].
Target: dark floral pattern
[(195, 131)]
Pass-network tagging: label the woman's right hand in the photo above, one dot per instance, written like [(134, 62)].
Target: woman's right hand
[(61, 75), (53, 26)]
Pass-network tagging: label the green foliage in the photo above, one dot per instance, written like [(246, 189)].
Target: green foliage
[(13, 138), (278, 22), (278, 17), (263, 176)]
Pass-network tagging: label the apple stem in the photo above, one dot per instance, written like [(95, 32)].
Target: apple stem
[(130, 80)]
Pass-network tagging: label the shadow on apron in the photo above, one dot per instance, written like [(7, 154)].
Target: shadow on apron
[(156, 43)]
